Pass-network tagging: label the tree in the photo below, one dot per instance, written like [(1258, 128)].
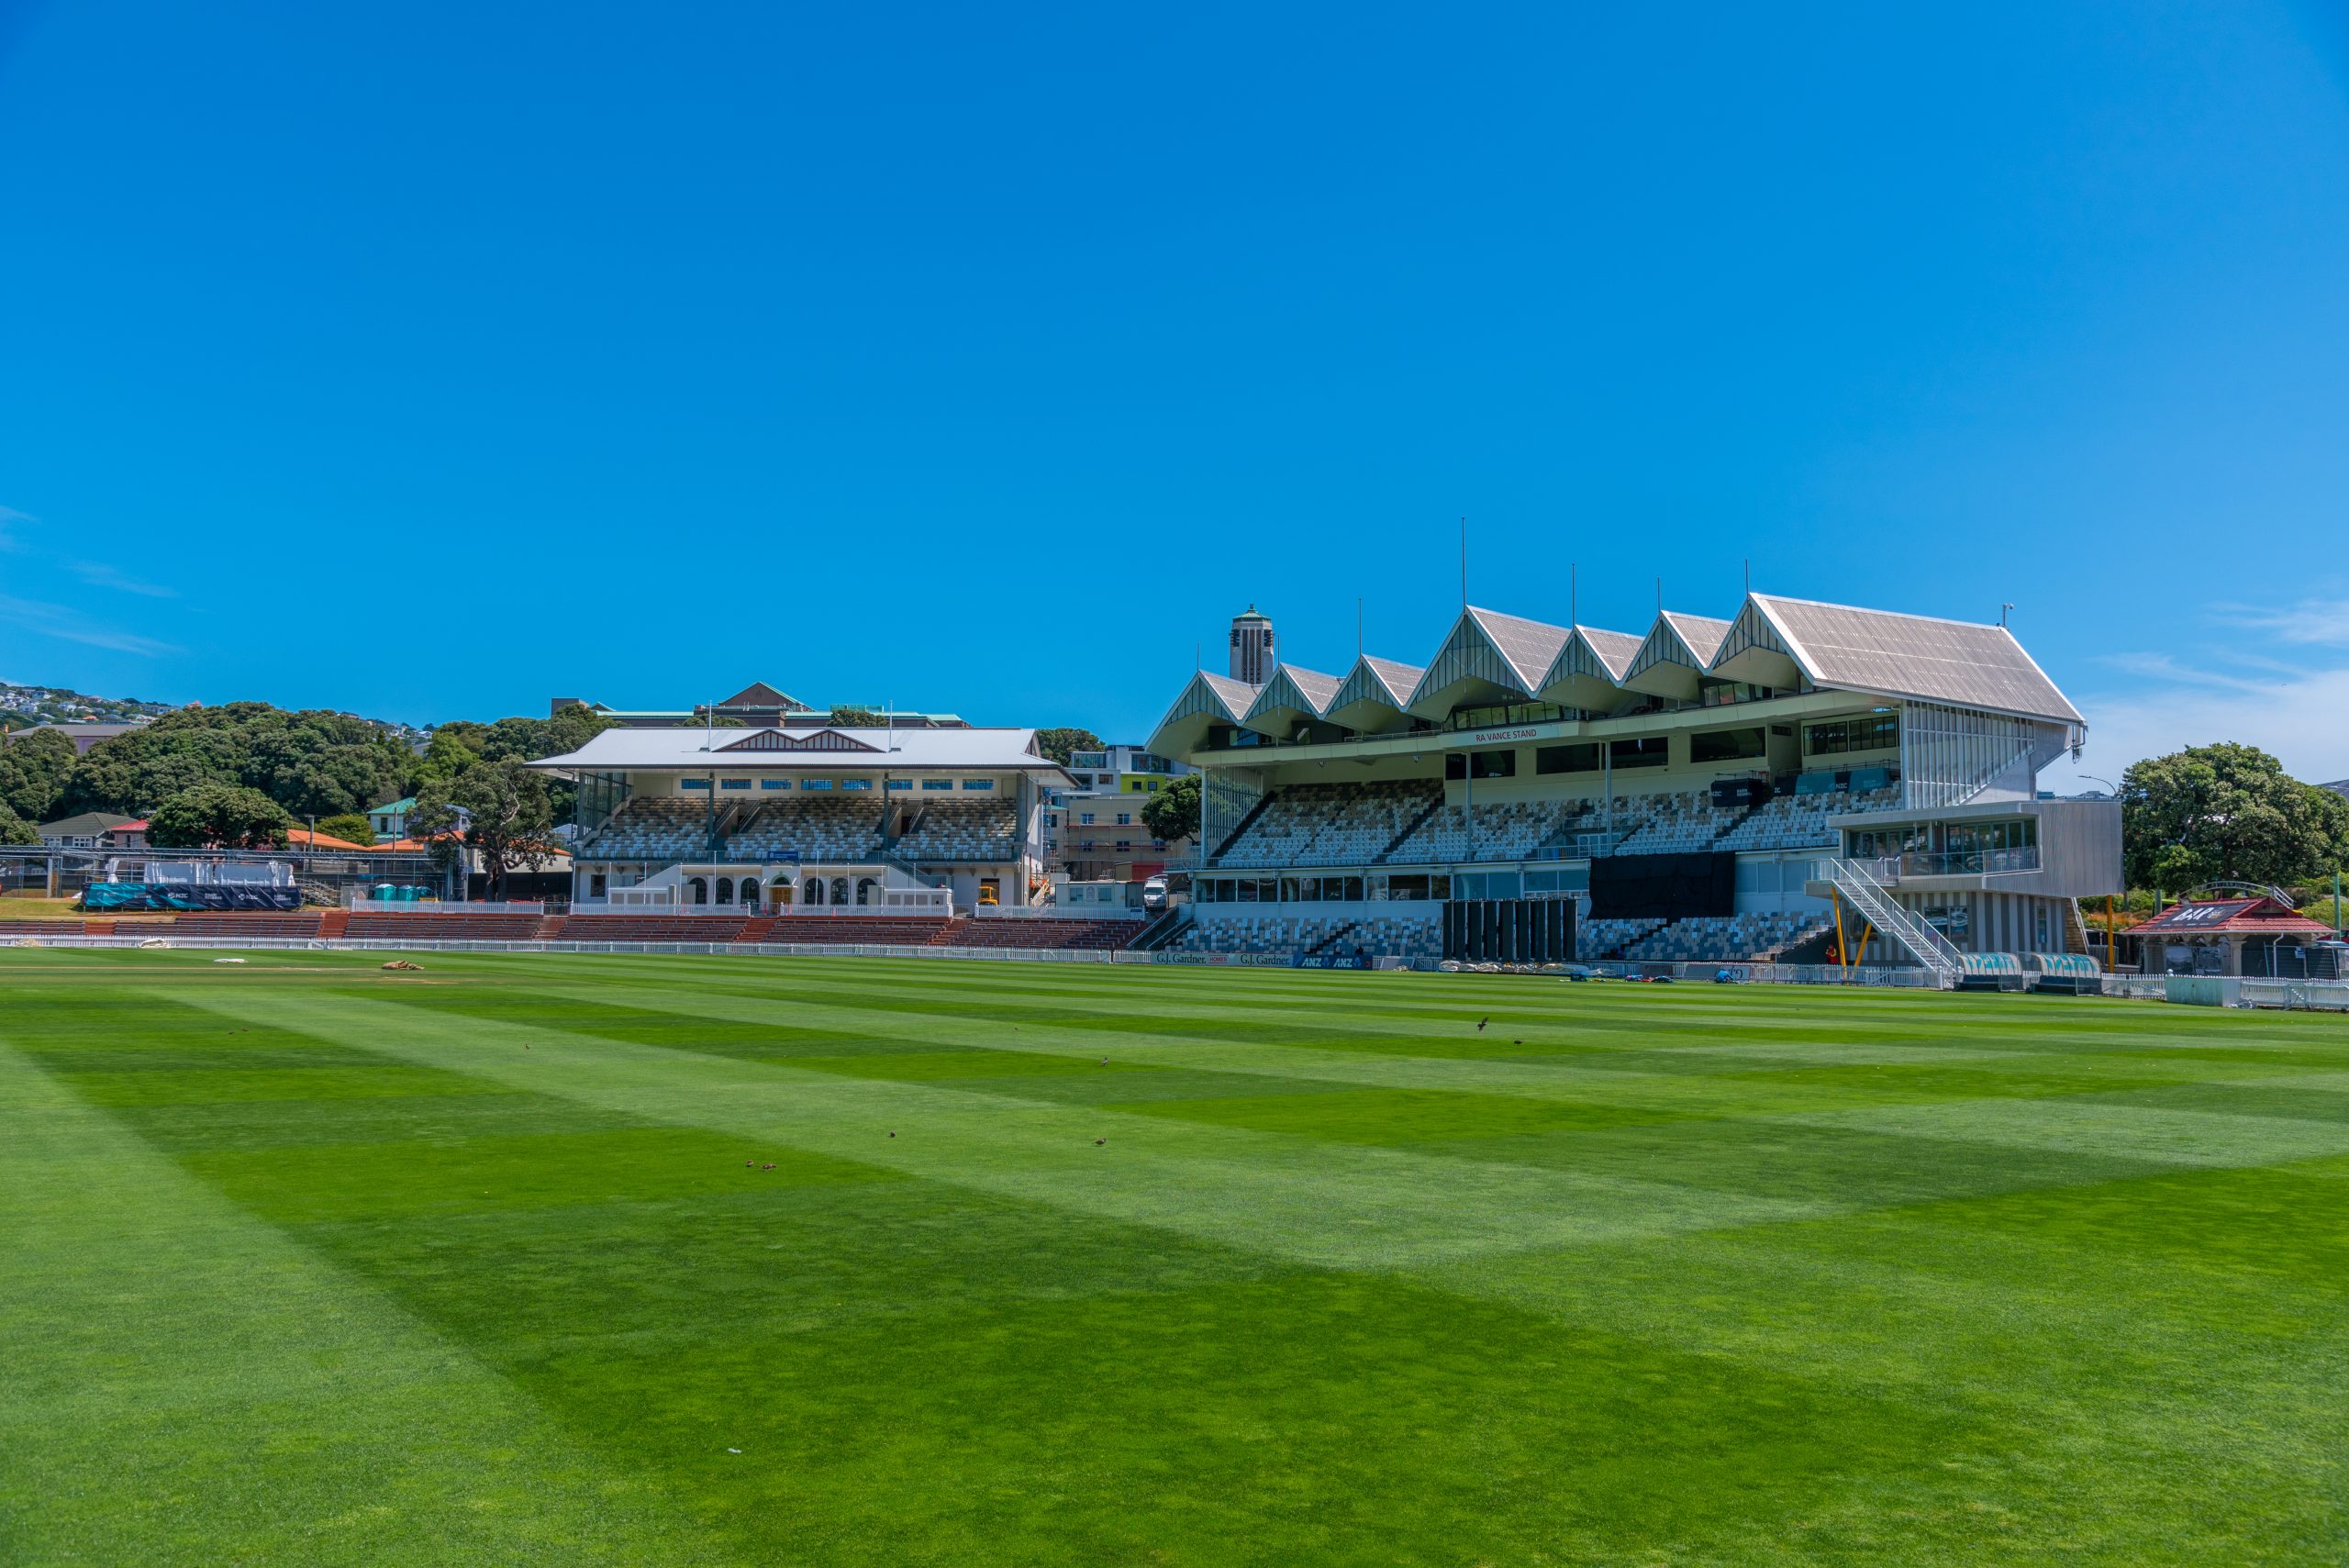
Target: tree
[(1173, 812), (2226, 812), (1059, 745), (219, 816), (32, 773), (16, 831), (350, 827), (502, 807), (849, 716), (312, 761)]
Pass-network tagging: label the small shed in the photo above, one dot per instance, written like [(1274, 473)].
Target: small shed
[(2256, 937)]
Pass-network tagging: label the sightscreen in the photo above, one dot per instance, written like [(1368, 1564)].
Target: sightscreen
[(1663, 887)]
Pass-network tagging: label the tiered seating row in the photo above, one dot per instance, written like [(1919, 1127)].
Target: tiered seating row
[(444, 927), (1799, 821), (1055, 934), (839, 829), (963, 831), (1380, 936), (1726, 937), (898, 930)]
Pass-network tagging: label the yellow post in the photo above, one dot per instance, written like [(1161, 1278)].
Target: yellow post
[(1842, 956)]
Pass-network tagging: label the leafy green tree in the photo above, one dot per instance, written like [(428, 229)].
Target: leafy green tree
[(1173, 812), (351, 827), (15, 830), (849, 715), (502, 810), (2226, 812), (1060, 744), (312, 761), (32, 774), (221, 816)]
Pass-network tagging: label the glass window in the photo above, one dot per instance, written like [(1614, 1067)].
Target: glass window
[(1085, 819), (817, 783), (938, 784), (1582, 757), (1876, 732), (775, 784), (978, 784), (1646, 751), (901, 783), (856, 784), (1480, 764), (733, 784), (1125, 818), (694, 784), (1725, 745)]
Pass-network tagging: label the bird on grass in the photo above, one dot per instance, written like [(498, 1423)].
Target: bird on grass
[(768, 1166), (1099, 1141), (1481, 1023)]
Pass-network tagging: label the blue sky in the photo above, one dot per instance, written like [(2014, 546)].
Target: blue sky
[(433, 361)]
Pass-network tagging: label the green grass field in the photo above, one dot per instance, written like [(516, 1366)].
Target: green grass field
[(577, 1259)]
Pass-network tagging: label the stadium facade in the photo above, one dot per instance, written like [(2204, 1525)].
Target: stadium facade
[(1796, 780), (808, 817)]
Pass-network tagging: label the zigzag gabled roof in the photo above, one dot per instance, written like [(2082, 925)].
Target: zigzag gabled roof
[(1208, 698), (1677, 650), (1373, 695), (1589, 670), (1486, 653), (1489, 657)]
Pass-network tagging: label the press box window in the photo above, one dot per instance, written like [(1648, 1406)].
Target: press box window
[(1878, 733), (1648, 751), (1725, 745), (1576, 759), (1480, 764)]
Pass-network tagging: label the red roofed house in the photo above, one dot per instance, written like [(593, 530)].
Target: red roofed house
[(2229, 936)]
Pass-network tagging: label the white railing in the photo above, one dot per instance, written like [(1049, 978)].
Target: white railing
[(1057, 912), (1894, 920), (429, 906)]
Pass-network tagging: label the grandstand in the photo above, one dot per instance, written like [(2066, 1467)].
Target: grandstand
[(1709, 789), (798, 819)]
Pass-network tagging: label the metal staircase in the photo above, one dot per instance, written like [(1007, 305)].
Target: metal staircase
[(1895, 922)]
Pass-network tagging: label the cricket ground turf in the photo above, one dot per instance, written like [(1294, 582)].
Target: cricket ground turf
[(580, 1260)]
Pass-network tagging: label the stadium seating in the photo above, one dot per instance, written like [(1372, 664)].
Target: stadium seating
[(1606, 939), (810, 828), (657, 828), (1031, 935), (650, 927), (453, 926), (1419, 936), (1670, 824), (968, 830), (1799, 821), (889, 931), (1729, 937), (1504, 830), (1331, 824), (225, 923)]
